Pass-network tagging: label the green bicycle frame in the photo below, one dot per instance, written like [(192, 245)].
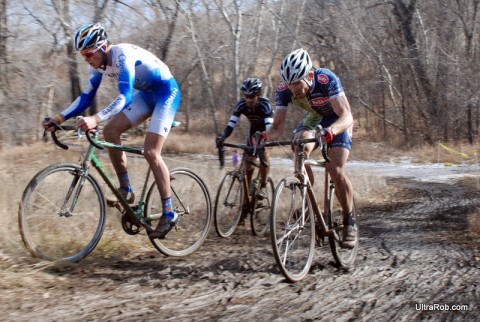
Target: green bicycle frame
[(91, 158)]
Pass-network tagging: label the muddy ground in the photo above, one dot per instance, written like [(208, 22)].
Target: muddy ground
[(419, 259)]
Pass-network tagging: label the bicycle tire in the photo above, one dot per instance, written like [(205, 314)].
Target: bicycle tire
[(260, 219), (53, 235), (191, 202), (293, 244), (229, 204), (344, 257)]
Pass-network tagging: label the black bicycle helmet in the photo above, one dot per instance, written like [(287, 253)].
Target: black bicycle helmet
[(251, 86)]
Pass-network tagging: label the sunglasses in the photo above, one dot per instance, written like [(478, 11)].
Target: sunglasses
[(250, 96), (90, 53)]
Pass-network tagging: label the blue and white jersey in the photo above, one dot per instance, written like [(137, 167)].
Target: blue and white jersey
[(135, 69), (325, 86)]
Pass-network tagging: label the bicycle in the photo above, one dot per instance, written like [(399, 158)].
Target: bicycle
[(237, 198), (62, 211), (297, 223)]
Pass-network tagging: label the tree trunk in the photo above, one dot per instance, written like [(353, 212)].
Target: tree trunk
[(206, 76), (3, 47), (405, 13)]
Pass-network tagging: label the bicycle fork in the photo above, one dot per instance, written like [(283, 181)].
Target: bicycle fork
[(79, 177)]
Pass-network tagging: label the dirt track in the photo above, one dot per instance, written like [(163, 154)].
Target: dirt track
[(419, 247)]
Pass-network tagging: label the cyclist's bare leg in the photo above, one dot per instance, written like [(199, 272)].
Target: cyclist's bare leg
[(112, 132), (343, 192), (153, 154), (336, 169), (249, 169), (264, 170)]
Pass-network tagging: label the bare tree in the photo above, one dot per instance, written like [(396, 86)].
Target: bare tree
[(410, 67), (201, 60), (467, 13), (234, 23), (3, 47)]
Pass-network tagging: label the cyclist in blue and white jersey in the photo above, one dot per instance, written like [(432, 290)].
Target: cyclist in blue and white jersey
[(321, 94), (259, 112), (157, 96)]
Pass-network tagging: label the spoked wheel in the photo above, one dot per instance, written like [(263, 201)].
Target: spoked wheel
[(292, 230), (228, 204), (260, 219), (191, 202), (344, 257), (62, 214)]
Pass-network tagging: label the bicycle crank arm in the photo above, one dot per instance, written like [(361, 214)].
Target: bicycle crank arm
[(146, 225), (332, 233)]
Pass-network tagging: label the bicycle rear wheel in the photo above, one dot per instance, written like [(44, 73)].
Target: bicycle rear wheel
[(260, 219), (292, 233), (343, 257), (53, 224), (228, 204), (191, 202)]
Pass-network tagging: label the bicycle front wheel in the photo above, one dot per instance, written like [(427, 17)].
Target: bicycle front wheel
[(191, 202), (292, 230), (260, 219), (228, 204), (62, 214), (344, 257)]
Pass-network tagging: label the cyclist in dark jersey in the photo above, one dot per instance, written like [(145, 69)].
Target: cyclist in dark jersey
[(321, 94), (260, 114), (157, 97)]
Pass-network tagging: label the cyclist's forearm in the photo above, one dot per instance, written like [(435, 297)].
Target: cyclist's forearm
[(276, 129), (274, 133), (85, 99), (227, 131), (77, 107), (115, 107), (345, 120)]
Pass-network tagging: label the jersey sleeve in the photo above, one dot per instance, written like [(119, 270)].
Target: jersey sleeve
[(126, 78), (237, 112), (267, 111), (283, 96), (333, 85), (86, 98)]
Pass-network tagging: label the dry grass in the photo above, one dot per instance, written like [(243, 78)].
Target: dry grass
[(362, 149), (447, 152), (200, 142)]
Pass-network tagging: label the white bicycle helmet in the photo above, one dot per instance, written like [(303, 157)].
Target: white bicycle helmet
[(295, 66), (251, 86), (93, 35)]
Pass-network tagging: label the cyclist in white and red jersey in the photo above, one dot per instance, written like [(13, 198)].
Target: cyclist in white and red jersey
[(158, 97), (321, 94), (259, 112)]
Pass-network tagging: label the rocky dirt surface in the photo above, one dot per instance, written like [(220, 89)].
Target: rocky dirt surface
[(419, 260)]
